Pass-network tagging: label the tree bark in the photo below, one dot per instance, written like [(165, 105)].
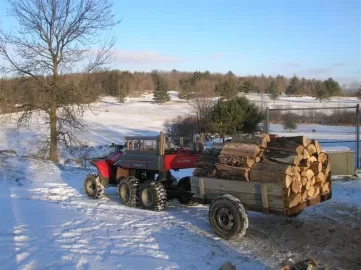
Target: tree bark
[(53, 155), (241, 150), (283, 157), (258, 139)]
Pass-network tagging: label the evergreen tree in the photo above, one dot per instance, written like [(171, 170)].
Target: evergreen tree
[(235, 115), (248, 87), (292, 88), (273, 91), (160, 93), (290, 121), (332, 87), (187, 89), (227, 89), (321, 91)]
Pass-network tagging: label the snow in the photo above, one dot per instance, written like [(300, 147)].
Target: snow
[(47, 222)]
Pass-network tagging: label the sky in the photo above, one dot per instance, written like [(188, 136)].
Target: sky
[(307, 38)]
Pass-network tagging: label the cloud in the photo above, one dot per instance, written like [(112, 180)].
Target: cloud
[(319, 71), (143, 57), (291, 64)]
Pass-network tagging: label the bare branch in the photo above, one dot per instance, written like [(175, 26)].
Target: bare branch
[(56, 37)]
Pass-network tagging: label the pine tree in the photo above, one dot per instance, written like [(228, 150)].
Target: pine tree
[(238, 114), (290, 121), (248, 87), (332, 87), (321, 91), (273, 91), (292, 88), (187, 89), (160, 93), (227, 89)]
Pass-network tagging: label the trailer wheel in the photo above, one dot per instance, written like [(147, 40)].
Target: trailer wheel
[(128, 191), (92, 186), (296, 214), (152, 196), (228, 217)]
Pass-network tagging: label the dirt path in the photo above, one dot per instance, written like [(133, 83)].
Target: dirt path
[(329, 233)]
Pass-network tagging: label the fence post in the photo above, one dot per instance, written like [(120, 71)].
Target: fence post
[(358, 135), (266, 125)]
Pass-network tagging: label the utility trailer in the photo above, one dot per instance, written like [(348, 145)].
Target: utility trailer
[(230, 199)]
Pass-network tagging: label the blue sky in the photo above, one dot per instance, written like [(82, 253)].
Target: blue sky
[(310, 38)]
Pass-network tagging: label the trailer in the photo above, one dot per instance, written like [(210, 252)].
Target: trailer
[(231, 199)]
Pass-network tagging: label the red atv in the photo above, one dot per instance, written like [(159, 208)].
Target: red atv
[(142, 173)]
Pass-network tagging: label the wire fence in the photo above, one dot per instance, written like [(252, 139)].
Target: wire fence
[(333, 127)]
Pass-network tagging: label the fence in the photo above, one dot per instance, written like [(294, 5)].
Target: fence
[(336, 127)]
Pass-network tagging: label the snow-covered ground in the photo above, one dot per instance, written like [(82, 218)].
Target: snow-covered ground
[(301, 102), (47, 222)]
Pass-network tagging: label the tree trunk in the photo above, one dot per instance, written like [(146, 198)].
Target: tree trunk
[(53, 155)]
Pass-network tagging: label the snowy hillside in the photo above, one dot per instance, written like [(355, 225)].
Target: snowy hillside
[(47, 222), (109, 121)]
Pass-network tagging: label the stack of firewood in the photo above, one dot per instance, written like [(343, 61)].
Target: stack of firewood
[(297, 162)]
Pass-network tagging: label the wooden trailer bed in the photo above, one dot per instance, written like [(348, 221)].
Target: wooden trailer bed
[(255, 196)]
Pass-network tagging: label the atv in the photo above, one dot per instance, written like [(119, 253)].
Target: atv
[(142, 173)]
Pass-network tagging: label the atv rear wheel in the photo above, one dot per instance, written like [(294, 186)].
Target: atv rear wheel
[(152, 196), (92, 186), (184, 184), (128, 191)]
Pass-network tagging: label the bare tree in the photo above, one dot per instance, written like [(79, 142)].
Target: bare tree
[(56, 37), (202, 105)]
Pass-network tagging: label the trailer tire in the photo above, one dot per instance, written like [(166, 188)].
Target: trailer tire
[(93, 187), (228, 217), (296, 214), (128, 191), (152, 196)]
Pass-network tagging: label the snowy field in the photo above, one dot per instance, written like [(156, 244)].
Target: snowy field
[(301, 102), (47, 222)]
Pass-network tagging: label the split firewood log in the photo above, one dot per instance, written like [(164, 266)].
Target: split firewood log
[(316, 166), (296, 184), (238, 161), (293, 200), (311, 148), (322, 157), (320, 178), (283, 157), (240, 149), (298, 140), (232, 173), (318, 146), (325, 188), (272, 173), (260, 140)]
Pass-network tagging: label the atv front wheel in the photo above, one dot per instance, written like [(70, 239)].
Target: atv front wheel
[(128, 191), (92, 186), (152, 196)]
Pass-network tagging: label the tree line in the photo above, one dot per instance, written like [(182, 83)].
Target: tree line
[(122, 84)]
